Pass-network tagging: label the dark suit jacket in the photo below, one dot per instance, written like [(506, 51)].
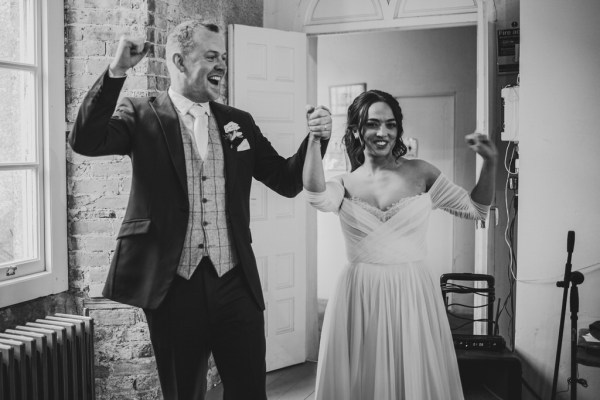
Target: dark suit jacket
[(150, 241)]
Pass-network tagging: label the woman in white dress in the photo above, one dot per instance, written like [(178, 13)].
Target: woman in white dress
[(385, 333)]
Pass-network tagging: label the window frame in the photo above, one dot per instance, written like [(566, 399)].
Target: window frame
[(51, 125)]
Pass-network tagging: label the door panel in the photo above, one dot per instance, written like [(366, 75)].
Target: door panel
[(269, 81)]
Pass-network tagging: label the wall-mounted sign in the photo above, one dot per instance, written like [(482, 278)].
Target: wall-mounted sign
[(508, 51)]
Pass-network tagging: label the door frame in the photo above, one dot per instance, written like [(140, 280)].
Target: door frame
[(485, 23)]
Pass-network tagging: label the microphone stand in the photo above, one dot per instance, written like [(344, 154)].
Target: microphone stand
[(564, 284), (576, 279)]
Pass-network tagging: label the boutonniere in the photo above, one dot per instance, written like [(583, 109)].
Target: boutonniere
[(233, 134)]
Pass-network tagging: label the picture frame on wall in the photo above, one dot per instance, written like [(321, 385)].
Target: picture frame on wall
[(341, 96)]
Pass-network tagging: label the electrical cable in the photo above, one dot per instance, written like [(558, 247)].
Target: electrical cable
[(468, 306), (552, 280), (507, 167), (471, 321), (484, 292), (511, 279), (468, 289), (508, 304), (508, 243)]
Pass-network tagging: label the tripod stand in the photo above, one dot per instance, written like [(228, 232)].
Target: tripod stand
[(573, 279)]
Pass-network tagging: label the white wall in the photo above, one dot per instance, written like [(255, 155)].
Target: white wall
[(403, 63), (560, 186), (284, 14)]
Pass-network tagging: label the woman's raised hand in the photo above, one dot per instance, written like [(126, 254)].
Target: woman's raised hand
[(482, 145)]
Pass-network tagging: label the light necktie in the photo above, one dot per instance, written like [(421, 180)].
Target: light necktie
[(200, 115)]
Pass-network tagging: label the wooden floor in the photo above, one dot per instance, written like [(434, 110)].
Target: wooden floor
[(291, 383), (298, 383)]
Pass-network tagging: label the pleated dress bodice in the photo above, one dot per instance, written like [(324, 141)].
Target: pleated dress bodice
[(396, 235)]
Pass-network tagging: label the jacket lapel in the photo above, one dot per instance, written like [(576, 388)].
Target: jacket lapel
[(169, 123), (223, 116)]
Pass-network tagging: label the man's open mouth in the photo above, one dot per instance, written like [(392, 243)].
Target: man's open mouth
[(215, 79)]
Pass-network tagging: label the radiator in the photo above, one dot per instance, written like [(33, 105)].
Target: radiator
[(48, 359)]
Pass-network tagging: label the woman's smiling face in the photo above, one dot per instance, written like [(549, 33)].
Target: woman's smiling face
[(380, 130)]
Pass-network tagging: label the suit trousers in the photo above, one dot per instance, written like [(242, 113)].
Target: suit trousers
[(209, 314)]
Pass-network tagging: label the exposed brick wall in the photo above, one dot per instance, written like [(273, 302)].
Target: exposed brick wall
[(124, 362), (39, 308), (97, 194)]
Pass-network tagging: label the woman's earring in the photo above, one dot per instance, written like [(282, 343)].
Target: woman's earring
[(359, 138)]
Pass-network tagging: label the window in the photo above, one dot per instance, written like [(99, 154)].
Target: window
[(33, 250)]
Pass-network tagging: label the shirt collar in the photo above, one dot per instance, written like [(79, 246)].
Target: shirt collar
[(183, 104)]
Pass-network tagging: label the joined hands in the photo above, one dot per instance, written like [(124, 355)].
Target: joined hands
[(319, 122)]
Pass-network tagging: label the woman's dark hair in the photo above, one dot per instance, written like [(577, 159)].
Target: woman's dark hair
[(358, 114)]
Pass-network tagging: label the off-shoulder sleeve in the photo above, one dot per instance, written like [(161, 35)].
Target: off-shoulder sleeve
[(329, 200), (455, 200)]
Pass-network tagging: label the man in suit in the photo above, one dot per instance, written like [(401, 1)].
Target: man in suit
[(184, 251)]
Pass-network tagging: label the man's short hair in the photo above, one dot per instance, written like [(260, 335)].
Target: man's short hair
[(182, 36)]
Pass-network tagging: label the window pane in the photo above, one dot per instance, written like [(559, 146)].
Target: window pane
[(17, 116), (16, 23), (18, 216)]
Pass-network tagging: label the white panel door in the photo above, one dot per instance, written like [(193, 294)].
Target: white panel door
[(430, 119), (267, 77)]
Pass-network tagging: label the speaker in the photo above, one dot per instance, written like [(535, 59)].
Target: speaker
[(494, 373)]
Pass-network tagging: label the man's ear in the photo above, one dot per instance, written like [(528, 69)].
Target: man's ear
[(178, 61)]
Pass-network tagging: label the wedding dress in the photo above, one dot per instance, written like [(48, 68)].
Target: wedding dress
[(385, 333)]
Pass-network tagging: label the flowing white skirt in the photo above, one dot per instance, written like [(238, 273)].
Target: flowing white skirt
[(386, 337)]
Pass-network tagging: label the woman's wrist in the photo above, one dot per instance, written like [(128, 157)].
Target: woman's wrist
[(313, 138), (492, 161)]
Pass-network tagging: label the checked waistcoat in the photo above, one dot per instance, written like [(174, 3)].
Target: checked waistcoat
[(209, 231)]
